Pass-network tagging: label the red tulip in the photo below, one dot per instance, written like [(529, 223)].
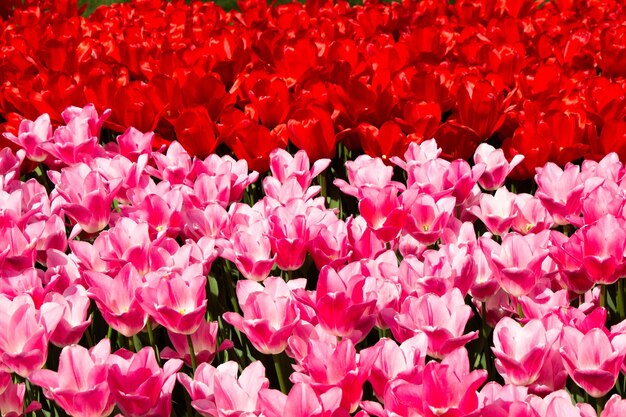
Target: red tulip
[(194, 130), (311, 129)]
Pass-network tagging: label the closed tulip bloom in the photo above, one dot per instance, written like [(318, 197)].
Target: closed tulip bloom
[(517, 261), (177, 301), (136, 380), (592, 360), (521, 351), (80, 386), (270, 313)]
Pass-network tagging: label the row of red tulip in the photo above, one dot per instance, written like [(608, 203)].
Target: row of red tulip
[(543, 79)]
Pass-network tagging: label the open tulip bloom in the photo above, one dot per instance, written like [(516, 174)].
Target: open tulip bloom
[(313, 209)]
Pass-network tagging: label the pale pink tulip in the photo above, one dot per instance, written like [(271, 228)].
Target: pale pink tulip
[(426, 217), (497, 168), (302, 401), (592, 360), (443, 319), (30, 136), (560, 190), (12, 401), (521, 351), (116, 299), (80, 386), (74, 321), (175, 300), (614, 407), (137, 381), (284, 166), (204, 342), (24, 349), (517, 261), (270, 312)]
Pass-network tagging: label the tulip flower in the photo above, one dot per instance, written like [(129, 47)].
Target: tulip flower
[(592, 360), (80, 386), (270, 313), (521, 351), (136, 380)]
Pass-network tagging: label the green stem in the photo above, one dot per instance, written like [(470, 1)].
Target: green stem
[(151, 339), (280, 365), (603, 295), (192, 353), (600, 402), (621, 308)]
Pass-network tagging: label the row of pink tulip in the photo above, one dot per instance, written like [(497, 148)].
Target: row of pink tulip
[(119, 258)]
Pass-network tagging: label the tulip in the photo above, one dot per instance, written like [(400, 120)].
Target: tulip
[(592, 360), (80, 386)]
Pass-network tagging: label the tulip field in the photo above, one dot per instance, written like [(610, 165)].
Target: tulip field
[(313, 209)]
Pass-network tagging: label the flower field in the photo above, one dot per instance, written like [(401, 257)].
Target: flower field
[(313, 209)]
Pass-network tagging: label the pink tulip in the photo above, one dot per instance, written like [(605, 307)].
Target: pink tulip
[(302, 401), (446, 389), (201, 388), (344, 302), (289, 235), (532, 216), (77, 141), (517, 261), (284, 166), (25, 348), (426, 217), (461, 179), (382, 210), (204, 342), (329, 241), (133, 143), (603, 198), (281, 193), (443, 319), (570, 268), (31, 135), (217, 392), (12, 401), (367, 173), (362, 239), (601, 248), (116, 299), (614, 407), (237, 396), (396, 361), (592, 360), (496, 166), (236, 171), (137, 381), (270, 312), (521, 351), (507, 400), (559, 404), (80, 386), (250, 251), (560, 190), (10, 163), (347, 370), (496, 211), (177, 301), (86, 197), (74, 321), (174, 166)]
